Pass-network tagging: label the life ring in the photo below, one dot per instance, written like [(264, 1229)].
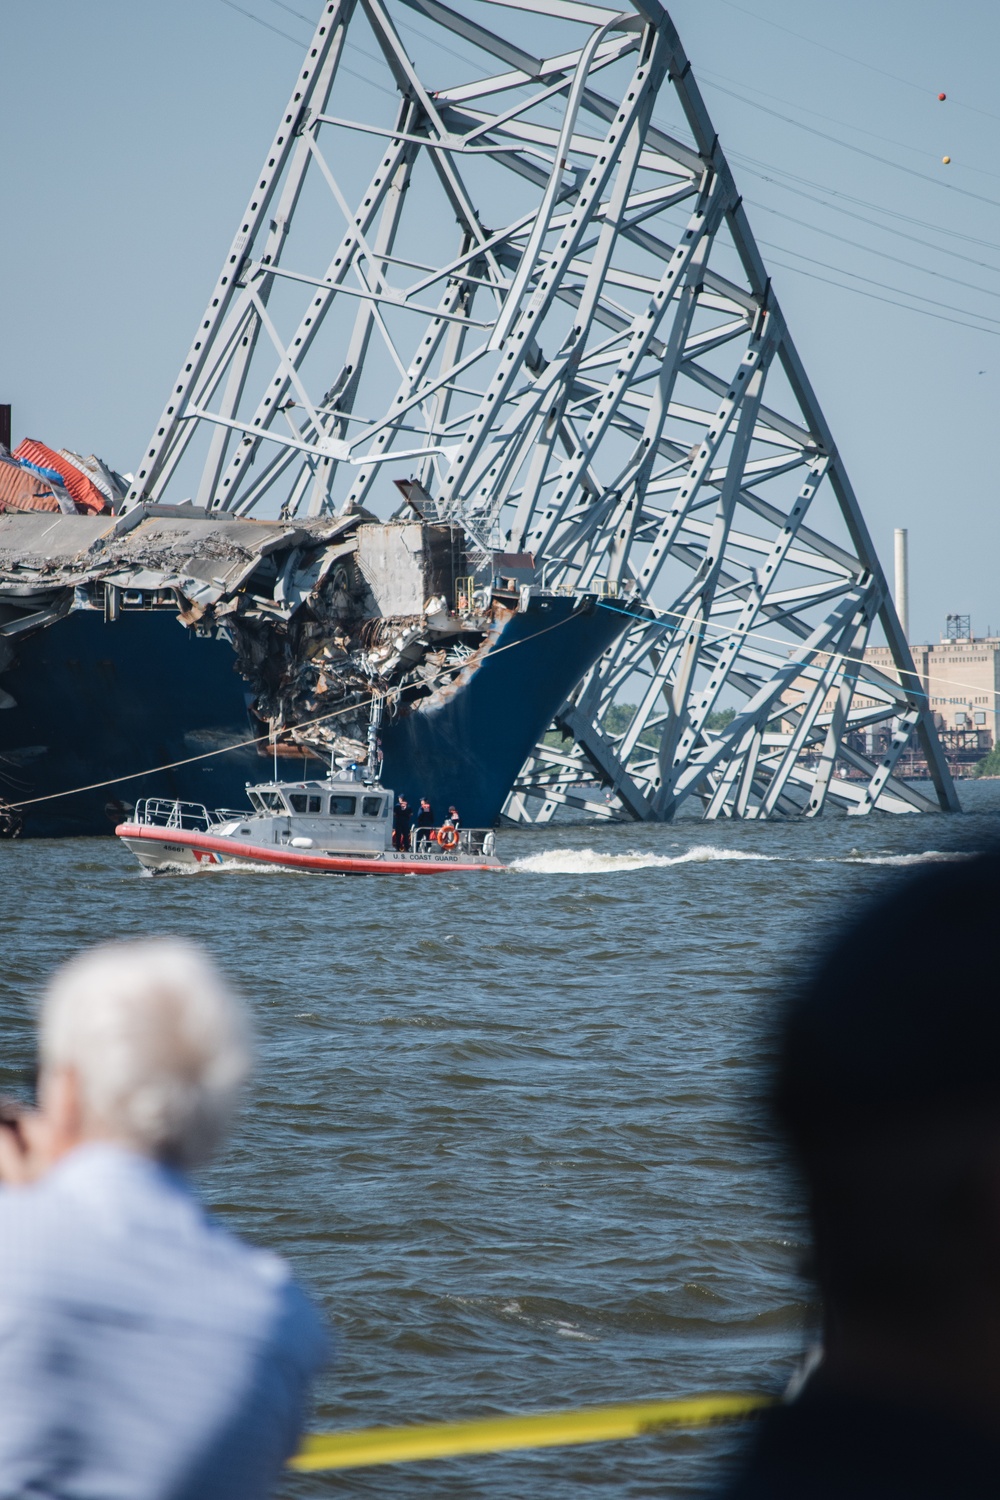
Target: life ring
[(447, 836)]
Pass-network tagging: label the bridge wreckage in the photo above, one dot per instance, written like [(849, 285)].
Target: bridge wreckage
[(521, 286)]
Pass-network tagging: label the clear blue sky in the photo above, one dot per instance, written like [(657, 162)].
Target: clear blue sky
[(132, 131)]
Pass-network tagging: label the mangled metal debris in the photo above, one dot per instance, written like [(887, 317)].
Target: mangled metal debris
[(323, 615)]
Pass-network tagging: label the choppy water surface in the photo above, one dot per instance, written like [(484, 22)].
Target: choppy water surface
[(508, 1127)]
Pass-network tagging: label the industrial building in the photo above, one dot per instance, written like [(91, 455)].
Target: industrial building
[(959, 676)]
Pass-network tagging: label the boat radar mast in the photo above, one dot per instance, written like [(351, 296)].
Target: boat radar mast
[(373, 760)]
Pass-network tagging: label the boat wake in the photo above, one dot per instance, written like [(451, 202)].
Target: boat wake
[(593, 862), (928, 857), (596, 862)]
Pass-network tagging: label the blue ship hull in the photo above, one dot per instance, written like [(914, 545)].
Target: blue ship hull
[(99, 702)]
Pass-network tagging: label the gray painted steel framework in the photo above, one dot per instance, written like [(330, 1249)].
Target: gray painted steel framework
[(545, 305)]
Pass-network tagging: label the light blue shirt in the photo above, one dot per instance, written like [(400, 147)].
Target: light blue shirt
[(145, 1353)]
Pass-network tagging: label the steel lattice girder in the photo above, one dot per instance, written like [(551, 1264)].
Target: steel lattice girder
[(605, 381)]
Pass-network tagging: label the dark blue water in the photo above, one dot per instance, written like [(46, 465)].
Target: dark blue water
[(509, 1128)]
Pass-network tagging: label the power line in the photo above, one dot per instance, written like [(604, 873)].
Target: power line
[(885, 254), (344, 67), (261, 22), (885, 285), (402, 26), (848, 57), (309, 20), (897, 166), (825, 47), (874, 297), (831, 119), (765, 167), (883, 228), (912, 265)]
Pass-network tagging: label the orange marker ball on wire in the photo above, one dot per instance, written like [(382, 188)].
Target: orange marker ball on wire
[(942, 97), (946, 160)]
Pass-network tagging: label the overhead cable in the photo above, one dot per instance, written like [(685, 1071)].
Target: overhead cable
[(875, 297), (885, 254), (903, 234), (859, 61), (764, 167), (819, 115), (345, 67), (309, 20), (887, 286), (897, 166), (261, 22)]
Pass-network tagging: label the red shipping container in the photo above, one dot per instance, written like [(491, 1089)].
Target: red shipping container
[(22, 490), (85, 495)]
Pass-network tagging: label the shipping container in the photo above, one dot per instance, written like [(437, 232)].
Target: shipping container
[(22, 490), (85, 494)]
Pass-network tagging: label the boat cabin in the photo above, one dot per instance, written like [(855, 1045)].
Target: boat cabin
[(337, 813)]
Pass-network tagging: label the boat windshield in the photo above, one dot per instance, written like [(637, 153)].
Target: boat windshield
[(272, 801), (372, 807), (343, 807)]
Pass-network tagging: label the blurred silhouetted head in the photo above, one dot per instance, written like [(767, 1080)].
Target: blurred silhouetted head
[(158, 1043), (888, 1087)]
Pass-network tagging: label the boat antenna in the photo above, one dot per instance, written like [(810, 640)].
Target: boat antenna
[(274, 746)]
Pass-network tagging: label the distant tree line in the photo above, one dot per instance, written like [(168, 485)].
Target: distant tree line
[(990, 764), (619, 717)]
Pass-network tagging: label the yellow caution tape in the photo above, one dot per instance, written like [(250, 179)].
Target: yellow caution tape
[(547, 1429)]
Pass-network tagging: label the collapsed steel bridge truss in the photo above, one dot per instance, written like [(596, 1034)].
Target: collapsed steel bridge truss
[(525, 281)]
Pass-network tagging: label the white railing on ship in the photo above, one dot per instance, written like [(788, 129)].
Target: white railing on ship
[(168, 812), (471, 841)]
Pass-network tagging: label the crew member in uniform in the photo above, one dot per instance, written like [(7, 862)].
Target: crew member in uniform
[(402, 822), (424, 822)]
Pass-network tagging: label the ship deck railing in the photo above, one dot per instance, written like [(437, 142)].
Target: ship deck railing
[(168, 812), (470, 841)]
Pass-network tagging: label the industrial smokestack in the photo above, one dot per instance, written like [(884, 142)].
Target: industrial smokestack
[(902, 580)]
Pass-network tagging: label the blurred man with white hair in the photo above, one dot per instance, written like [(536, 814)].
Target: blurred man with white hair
[(145, 1354)]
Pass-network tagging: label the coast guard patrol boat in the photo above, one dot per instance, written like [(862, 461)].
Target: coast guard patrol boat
[(341, 825)]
